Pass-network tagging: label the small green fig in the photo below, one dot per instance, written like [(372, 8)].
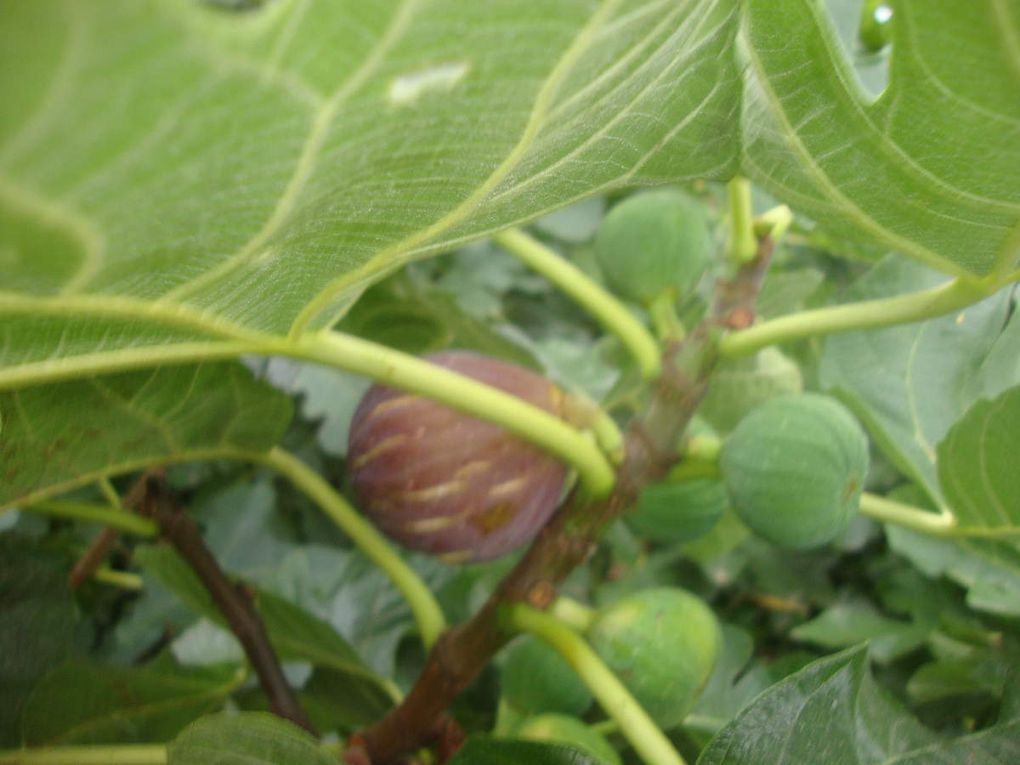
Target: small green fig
[(875, 30), (535, 679), (662, 643), (678, 511), (794, 469), (652, 242), (446, 483), (562, 729)]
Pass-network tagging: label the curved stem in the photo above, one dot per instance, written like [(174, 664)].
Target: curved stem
[(635, 724), (427, 614), (602, 305), (774, 222), (108, 516), (667, 324), (582, 412), (743, 244), (573, 612), (409, 373), (131, 754), (916, 518), (868, 314)]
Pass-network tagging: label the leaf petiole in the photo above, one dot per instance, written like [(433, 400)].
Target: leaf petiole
[(577, 285)]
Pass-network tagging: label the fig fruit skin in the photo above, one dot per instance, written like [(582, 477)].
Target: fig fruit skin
[(535, 679), (673, 512), (563, 729), (652, 242), (446, 483), (794, 469), (663, 644)]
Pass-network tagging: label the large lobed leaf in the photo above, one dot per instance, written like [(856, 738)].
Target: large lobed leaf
[(222, 173), (931, 167)]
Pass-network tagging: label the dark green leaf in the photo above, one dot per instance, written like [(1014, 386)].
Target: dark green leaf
[(37, 618), (65, 434), (250, 738), (82, 703)]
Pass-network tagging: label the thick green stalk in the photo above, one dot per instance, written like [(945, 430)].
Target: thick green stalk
[(104, 514), (571, 612), (889, 511), (635, 724), (743, 245), (427, 614), (602, 305), (130, 754), (409, 373), (868, 314)]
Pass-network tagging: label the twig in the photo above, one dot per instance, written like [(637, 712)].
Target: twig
[(93, 557), (232, 599), (567, 541)]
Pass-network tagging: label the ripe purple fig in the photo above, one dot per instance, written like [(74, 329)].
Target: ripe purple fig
[(447, 483)]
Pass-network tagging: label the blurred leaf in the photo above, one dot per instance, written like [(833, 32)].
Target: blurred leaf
[(482, 750), (730, 687), (833, 712), (986, 672), (576, 223), (293, 632), (977, 465), (83, 703), (860, 166), (249, 738), (37, 619), (909, 384), (738, 386), (849, 622), (784, 292), (63, 435), (338, 701)]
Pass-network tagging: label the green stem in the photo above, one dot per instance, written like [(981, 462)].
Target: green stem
[(138, 754), (108, 491), (643, 734), (602, 305), (108, 516), (743, 245), (123, 579), (889, 511), (869, 314), (427, 614), (573, 612), (582, 412), (667, 324), (409, 373), (774, 222)]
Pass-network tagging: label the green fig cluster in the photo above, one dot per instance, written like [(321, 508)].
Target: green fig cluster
[(653, 242), (794, 469), (663, 644)]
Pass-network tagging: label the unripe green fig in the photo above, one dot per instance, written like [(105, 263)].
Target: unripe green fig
[(536, 679), (662, 643), (562, 729), (447, 483), (678, 511), (794, 469), (652, 242), (875, 30)]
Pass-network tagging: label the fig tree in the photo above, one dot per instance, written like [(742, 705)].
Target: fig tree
[(662, 643), (562, 729), (794, 469), (447, 483), (654, 241), (536, 679)]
